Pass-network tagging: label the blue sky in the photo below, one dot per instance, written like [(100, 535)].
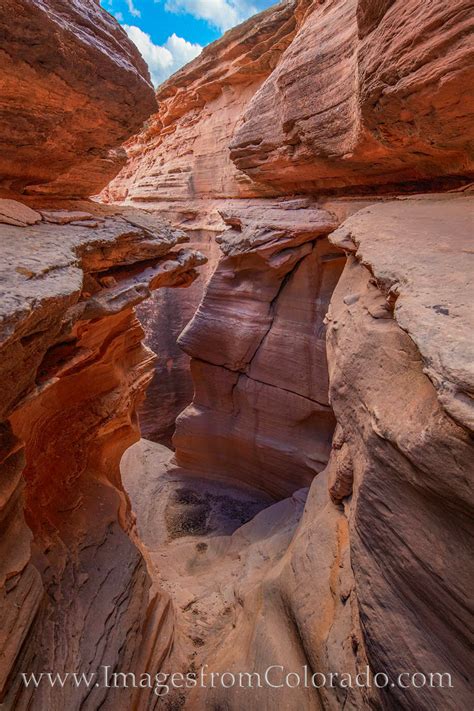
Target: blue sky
[(169, 33)]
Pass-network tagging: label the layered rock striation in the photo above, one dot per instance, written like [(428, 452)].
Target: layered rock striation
[(367, 95), (75, 585), (338, 98), (183, 154), (180, 164), (316, 512), (401, 385), (257, 343), (75, 588), (367, 572), (363, 103), (73, 88)]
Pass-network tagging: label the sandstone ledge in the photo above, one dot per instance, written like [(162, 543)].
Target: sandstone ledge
[(365, 98), (420, 253), (74, 370)]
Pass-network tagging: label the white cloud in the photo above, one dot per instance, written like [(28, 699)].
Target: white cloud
[(163, 60), (223, 14), (108, 4), (132, 9)]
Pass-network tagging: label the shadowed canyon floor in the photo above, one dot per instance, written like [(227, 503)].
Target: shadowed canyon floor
[(290, 231), (209, 543)]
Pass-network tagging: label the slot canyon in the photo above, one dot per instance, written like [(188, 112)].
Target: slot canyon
[(236, 353)]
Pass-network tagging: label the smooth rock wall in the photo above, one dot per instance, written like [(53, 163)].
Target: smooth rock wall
[(367, 96)]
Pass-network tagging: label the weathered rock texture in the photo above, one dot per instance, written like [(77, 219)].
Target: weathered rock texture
[(384, 581), (359, 99), (73, 87), (163, 317), (251, 594), (402, 377), (258, 348), (180, 163), (73, 368), (368, 94), (183, 153), (75, 589), (381, 583), (344, 97), (363, 433)]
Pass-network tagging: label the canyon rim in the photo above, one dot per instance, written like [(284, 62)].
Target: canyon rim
[(237, 362)]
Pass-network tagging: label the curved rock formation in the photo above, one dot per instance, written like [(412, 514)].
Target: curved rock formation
[(366, 98), (183, 152), (367, 94), (401, 386), (315, 517), (76, 87), (180, 163), (379, 584), (348, 97), (251, 595), (261, 393), (74, 370), (75, 589)]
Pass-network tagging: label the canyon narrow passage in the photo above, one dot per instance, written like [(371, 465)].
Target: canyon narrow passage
[(236, 423)]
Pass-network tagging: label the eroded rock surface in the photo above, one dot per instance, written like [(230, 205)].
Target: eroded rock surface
[(180, 164), (276, 591), (183, 152), (260, 408), (347, 97), (420, 253), (364, 99), (75, 588), (374, 573), (405, 418), (74, 368), (367, 94), (76, 87), (364, 435)]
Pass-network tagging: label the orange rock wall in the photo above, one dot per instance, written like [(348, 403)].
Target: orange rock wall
[(346, 97), (75, 588), (75, 582), (183, 152), (180, 164), (75, 86), (367, 95), (258, 346), (364, 103)]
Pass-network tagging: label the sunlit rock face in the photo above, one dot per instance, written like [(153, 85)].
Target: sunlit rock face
[(180, 165), (316, 510), (369, 94), (345, 97), (75, 86), (366, 102), (183, 151)]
